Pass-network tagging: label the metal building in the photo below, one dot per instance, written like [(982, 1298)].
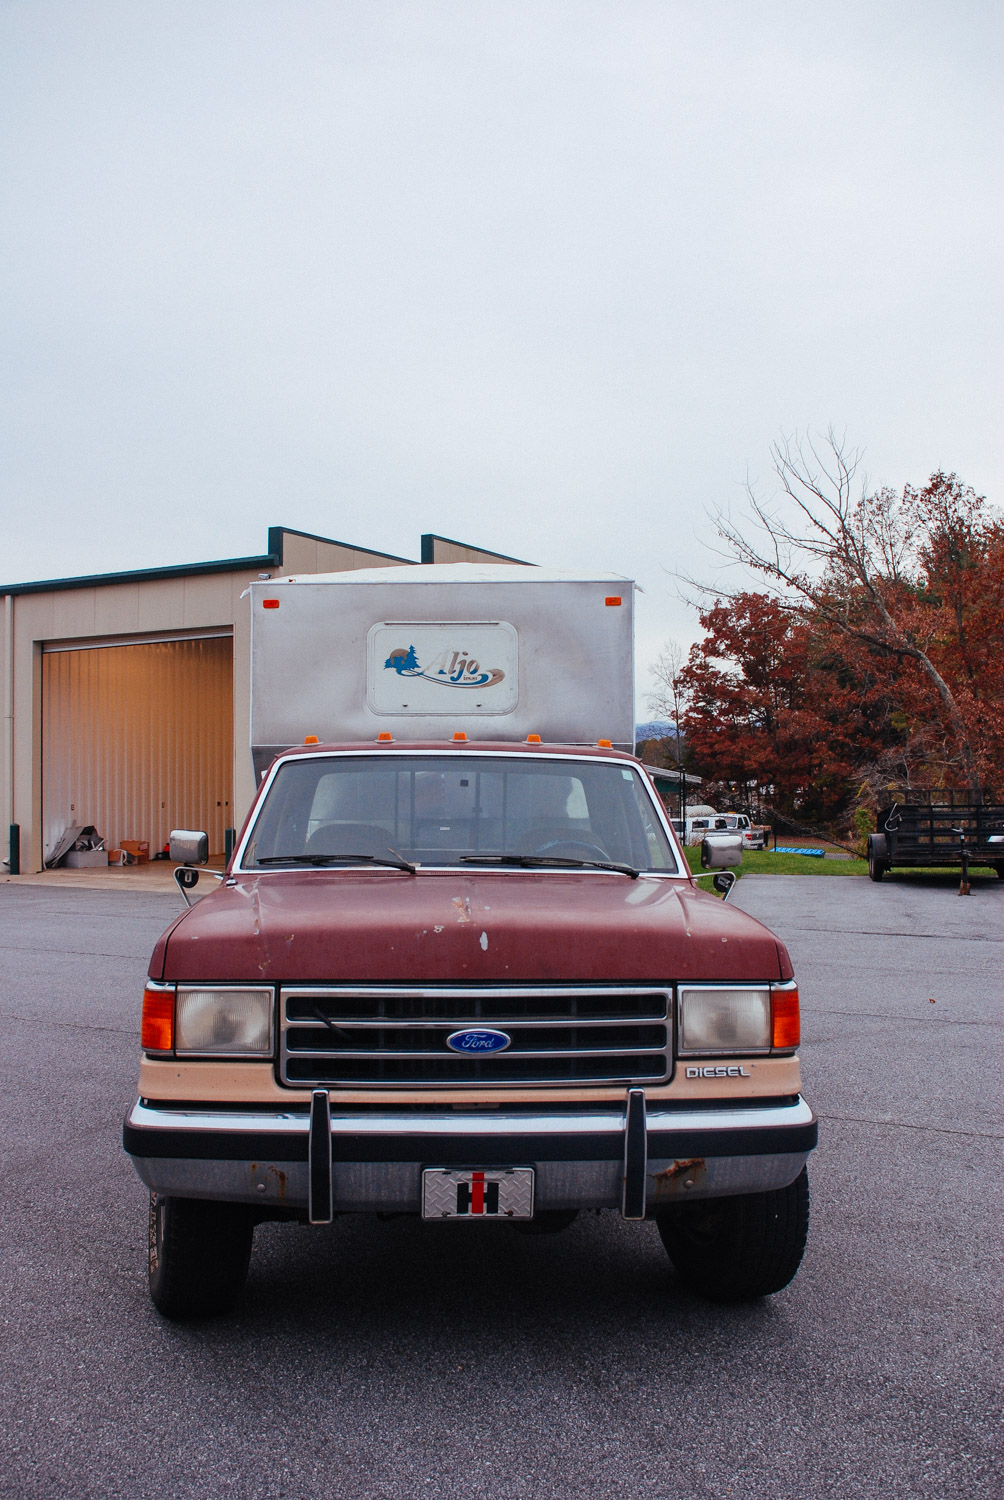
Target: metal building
[(127, 695)]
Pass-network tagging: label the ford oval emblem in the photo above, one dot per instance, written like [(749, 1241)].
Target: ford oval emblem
[(479, 1039)]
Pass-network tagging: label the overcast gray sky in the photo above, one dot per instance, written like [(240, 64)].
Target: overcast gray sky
[(546, 275)]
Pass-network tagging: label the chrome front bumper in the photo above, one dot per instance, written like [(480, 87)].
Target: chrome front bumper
[(332, 1160)]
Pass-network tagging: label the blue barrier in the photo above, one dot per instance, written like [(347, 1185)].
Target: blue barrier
[(785, 849)]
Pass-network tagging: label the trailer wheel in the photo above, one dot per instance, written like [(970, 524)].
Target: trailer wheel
[(199, 1255), (736, 1249), (999, 867), (877, 866)]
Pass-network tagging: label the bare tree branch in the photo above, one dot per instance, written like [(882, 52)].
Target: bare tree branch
[(851, 562)]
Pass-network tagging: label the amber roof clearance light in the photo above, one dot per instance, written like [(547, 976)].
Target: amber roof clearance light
[(311, 739), (458, 734)]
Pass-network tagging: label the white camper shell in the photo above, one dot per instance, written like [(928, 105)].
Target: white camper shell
[(495, 652)]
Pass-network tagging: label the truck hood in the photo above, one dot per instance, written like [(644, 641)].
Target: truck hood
[(385, 927)]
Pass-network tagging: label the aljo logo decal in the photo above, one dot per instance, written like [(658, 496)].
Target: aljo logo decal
[(449, 668)]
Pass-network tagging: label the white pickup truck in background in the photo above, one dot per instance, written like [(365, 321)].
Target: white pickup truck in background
[(697, 828)]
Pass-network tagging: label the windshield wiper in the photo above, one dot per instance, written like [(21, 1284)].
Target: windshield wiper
[(543, 861), (390, 862)]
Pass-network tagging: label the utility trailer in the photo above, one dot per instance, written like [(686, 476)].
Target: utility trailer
[(954, 832)]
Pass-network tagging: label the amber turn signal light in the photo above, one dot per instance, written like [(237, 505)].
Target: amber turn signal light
[(157, 1032), (786, 1027)]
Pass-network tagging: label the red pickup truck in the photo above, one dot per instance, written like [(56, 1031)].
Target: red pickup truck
[(473, 981)]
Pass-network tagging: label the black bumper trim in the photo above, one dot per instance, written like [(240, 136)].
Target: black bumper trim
[(460, 1149)]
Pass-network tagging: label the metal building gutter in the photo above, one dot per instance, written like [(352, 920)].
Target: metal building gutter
[(273, 558)]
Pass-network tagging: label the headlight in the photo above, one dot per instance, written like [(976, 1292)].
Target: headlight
[(721, 1020), (231, 1022)]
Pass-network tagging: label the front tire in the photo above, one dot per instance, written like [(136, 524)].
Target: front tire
[(199, 1255), (736, 1249)]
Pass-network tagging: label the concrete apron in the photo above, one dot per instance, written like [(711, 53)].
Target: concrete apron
[(157, 875)]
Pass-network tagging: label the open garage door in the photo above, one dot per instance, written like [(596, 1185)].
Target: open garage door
[(137, 739)]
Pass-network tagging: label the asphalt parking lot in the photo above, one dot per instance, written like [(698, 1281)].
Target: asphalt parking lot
[(388, 1358)]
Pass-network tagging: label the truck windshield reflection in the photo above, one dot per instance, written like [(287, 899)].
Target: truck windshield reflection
[(401, 811)]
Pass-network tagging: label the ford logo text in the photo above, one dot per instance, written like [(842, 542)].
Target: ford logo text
[(480, 1040)]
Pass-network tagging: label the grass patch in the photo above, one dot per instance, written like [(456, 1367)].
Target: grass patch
[(762, 862)]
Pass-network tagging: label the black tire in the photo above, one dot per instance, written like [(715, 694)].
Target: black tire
[(1000, 870), (735, 1249), (199, 1255), (877, 866)]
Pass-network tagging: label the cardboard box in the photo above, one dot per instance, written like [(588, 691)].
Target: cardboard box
[(138, 848), (85, 859)]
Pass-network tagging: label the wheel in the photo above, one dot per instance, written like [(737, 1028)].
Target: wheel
[(735, 1249), (199, 1255), (999, 867), (877, 866), (572, 849)]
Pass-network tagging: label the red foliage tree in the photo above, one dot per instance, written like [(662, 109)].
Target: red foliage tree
[(901, 600)]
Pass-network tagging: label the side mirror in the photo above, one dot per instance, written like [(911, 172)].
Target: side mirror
[(189, 848), (722, 851)]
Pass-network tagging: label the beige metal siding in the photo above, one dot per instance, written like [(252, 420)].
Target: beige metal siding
[(138, 739)]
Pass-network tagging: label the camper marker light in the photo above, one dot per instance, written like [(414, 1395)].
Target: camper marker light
[(458, 734), (270, 604), (533, 739), (385, 737), (310, 739), (785, 1023), (604, 745), (612, 599), (157, 1033)]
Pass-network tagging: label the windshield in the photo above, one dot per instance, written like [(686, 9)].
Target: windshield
[(447, 810)]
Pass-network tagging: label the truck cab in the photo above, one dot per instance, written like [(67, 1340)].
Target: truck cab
[(466, 978)]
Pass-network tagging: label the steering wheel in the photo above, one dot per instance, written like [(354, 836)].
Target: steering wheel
[(574, 848)]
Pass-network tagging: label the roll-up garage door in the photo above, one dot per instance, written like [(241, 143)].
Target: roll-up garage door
[(137, 739)]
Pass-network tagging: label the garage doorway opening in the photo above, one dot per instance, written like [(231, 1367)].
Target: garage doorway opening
[(137, 739)]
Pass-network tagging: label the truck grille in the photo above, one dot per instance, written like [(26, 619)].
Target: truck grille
[(356, 1036)]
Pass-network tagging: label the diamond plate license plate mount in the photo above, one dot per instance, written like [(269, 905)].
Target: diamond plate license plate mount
[(477, 1194)]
